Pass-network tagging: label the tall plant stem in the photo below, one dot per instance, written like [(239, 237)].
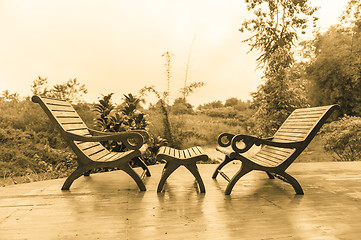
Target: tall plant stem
[(187, 66)]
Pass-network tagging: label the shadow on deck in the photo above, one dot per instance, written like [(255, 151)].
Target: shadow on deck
[(110, 206)]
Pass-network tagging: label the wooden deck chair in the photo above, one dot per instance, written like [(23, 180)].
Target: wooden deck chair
[(85, 143), (276, 153)]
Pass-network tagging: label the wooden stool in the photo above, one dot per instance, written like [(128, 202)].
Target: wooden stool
[(176, 158)]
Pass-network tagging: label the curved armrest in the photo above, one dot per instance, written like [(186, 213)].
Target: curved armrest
[(225, 139), (250, 140), (131, 140), (144, 133)]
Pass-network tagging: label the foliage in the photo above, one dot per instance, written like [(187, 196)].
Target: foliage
[(334, 69), (352, 13), (7, 96), (343, 137), (164, 110), (275, 100), (109, 120), (274, 27), (214, 104), (30, 145), (72, 90), (180, 106)]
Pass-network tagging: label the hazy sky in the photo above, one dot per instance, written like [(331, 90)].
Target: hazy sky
[(116, 45)]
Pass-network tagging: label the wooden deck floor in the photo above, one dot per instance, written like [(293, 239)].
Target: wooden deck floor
[(110, 206)]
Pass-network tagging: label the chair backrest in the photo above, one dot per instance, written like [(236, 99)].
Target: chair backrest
[(66, 119), (301, 126), (303, 123)]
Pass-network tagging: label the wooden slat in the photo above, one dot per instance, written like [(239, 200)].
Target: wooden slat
[(277, 150), (111, 156), (97, 155), (261, 161), (186, 154), (314, 109), (60, 114), (60, 108), (83, 131), (55, 101), (85, 145), (67, 120), (73, 126), (93, 149), (293, 130)]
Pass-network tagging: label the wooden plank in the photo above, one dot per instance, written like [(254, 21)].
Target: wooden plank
[(293, 130), (261, 161), (111, 156), (82, 132), (60, 108), (313, 109), (200, 150), (275, 153), (268, 157), (86, 145), (74, 126), (70, 120), (280, 151), (60, 114), (89, 151), (179, 154), (186, 154), (97, 155), (55, 101), (272, 156)]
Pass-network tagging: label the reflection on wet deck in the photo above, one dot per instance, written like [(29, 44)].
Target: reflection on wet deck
[(110, 206)]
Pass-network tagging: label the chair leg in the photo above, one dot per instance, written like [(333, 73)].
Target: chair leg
[(194, 170), (141, 164), (76, 174), (221, 165), (241, 172), (168, 170), (128, 169), (270, 176), (296, 186)]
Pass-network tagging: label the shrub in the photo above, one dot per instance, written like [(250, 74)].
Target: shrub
[(343, 137)]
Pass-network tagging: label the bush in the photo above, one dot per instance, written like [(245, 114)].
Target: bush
[(343, 138)]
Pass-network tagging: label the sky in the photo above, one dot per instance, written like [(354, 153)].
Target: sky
[(116, 46)]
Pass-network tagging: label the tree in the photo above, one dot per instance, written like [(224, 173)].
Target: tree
[(72, 90), (335, 69), (275, 29), (10, 97)]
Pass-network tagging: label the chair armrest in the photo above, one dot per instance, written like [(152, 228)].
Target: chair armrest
[(100, 133), (131, 140), (250, 140), (225, 139)]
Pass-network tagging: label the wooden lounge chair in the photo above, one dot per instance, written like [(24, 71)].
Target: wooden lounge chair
[(276, 153), (85, 143)]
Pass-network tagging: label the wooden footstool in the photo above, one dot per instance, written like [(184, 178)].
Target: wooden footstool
[(176, 158)]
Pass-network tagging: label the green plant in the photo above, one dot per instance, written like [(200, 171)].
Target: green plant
[(275, 27), (343, 138), (72, 90), (111, 120)]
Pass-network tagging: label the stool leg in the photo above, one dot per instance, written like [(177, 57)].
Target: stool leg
[(194, 170), (168, 170)]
